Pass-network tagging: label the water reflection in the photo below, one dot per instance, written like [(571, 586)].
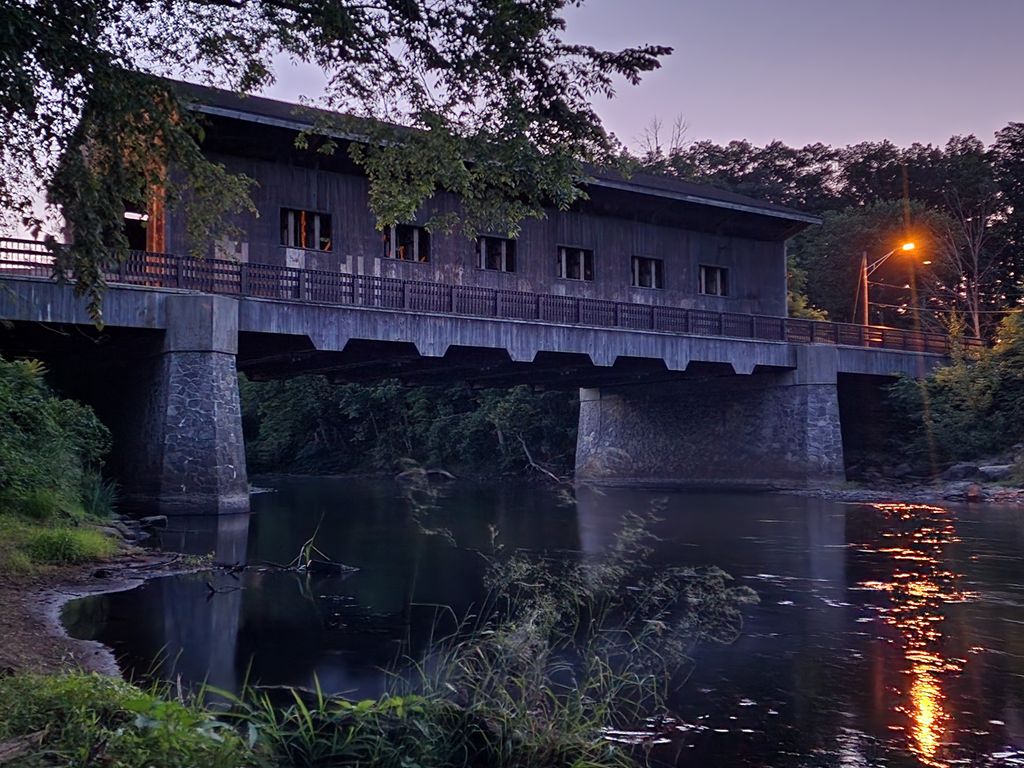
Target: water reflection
[(916, 539)]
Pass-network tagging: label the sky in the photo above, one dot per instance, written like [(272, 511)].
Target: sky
[(803, 71)]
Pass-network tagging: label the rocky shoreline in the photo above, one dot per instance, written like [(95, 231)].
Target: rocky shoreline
[(921, 493)]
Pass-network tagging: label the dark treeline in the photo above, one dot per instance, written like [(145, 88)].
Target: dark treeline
[(308, 425), (964, 209)]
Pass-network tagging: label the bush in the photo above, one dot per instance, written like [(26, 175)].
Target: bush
[(970, 409), (99, 495), (85, 719), (50, 450)]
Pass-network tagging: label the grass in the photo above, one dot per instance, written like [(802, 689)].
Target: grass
[(82, 719), (26, 545)]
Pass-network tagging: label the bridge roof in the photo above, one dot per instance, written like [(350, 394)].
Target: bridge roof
[(219, 103)]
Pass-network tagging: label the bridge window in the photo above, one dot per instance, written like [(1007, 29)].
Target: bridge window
[(497, 253), (406, 242), (714, 281), (575, 263), (305, 229), (648, 273)]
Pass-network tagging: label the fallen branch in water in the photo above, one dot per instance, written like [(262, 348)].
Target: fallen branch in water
[(212, 590), (543, 470)]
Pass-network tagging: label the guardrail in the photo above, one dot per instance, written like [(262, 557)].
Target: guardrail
[(29, 258)]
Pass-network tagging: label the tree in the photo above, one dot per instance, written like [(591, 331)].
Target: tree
[(970, 409), (831, 257), (500, 100), (1007, 157)]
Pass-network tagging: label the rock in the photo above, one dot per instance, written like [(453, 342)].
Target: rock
[(109, 531), (125, 529), (901, 470), (961, 471), (963, 491), (996, 471), (154, 520)]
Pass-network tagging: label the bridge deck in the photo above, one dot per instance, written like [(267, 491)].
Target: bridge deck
[(31, 259)]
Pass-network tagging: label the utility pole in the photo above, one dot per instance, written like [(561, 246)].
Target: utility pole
[(864, 285)]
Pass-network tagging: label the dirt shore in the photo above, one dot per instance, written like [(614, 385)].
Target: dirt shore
[(32, 637)]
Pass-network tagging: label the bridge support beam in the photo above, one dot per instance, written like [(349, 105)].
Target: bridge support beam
[(189, 456), (776, 429)]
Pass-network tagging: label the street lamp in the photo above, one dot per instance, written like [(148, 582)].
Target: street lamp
[(866, 270)]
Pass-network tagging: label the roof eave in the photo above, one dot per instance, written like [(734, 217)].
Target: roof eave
[(627, 186), (622, 185)]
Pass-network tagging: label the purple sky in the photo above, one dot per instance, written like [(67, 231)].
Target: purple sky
[(837, 71)]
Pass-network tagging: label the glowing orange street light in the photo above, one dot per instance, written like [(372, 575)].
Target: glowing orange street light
[(866, 270)]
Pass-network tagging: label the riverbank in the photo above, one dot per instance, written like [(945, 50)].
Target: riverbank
[(34, 638)]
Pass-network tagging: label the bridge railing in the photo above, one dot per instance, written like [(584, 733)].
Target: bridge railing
[(160, 270)]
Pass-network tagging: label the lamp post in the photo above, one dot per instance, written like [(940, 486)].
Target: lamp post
[(866, 270)]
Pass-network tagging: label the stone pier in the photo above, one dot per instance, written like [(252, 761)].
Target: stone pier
[(188, 455), (769, 429)]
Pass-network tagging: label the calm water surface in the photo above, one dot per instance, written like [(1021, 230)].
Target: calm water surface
[(885, 635)]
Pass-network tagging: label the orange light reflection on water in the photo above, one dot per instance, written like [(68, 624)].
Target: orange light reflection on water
[(915, 537)]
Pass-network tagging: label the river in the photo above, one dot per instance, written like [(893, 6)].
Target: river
[(885, 634)]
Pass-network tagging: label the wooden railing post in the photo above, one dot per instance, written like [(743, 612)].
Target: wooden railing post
[(179, 270), (243, 279), (303, 287)]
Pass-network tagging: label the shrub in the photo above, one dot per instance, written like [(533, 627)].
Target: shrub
[(86, 719), (49, 447), (969, 409), (99, 495)]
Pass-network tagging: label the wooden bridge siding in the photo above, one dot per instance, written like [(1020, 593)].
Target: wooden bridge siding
[(757, 281)]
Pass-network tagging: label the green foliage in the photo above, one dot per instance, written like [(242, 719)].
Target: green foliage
[(82, 719), (51, 450), (797, 302), (970, 409), (307, 424), (47, 444), (65, 546), (830, 257), (26, 543), (99, 494)]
